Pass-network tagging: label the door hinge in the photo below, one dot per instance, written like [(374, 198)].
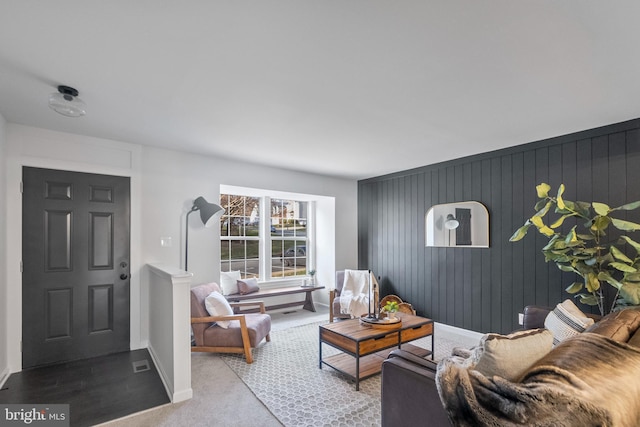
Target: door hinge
[(21, 187), (21, 267)]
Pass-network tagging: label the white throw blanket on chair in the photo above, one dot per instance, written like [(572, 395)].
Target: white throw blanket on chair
[(354, 298)]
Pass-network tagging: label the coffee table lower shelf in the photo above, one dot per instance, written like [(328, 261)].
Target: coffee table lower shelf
[(370, 364)]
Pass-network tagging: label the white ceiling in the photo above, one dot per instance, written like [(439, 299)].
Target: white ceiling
[(352, 88)]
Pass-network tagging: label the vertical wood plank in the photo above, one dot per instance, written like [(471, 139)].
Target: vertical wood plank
[(484, 289), (518, 213), (554, 275), (508, 313)]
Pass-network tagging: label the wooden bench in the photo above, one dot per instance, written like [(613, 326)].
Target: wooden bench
[(307, 303)]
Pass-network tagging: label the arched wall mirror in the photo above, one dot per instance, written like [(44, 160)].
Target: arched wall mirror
[(462, 225)]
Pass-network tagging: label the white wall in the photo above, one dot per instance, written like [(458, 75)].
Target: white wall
[(4, 323), (171, 180), (164, 184)]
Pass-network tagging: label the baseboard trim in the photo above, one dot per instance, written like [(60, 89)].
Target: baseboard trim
[(163, 374), (175, 397), (4, 376), (471, 338), (182, 395)]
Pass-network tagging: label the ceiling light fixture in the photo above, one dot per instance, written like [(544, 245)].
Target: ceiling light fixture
[(67, 103)]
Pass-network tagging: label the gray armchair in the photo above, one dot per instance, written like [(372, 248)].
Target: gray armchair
[(245, 331), (334, 299)]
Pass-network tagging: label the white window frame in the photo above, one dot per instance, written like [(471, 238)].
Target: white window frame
[(265, 239)]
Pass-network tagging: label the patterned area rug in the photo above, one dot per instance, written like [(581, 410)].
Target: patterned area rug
[(286, 378)]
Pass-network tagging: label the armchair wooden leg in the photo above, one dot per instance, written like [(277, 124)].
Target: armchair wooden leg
[(246, 343)]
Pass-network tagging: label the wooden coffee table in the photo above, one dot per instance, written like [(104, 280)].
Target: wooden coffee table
[(365, 347)]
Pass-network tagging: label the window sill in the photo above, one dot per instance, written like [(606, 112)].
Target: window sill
[(283, 283)]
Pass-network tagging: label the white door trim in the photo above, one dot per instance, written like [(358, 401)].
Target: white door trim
[(97, 156)]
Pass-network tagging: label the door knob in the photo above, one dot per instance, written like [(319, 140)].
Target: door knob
[(124, 276)]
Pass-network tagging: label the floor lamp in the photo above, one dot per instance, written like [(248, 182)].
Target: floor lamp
[(209, 214)]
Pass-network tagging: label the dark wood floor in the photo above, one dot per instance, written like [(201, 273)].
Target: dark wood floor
[(97, 390)]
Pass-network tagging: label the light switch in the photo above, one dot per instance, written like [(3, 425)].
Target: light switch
[(165, 242)]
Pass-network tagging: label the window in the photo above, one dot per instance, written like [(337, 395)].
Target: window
[(288, 229), (240, 235), (265, 237)]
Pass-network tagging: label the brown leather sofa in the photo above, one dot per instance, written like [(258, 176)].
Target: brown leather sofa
[(409, 393)]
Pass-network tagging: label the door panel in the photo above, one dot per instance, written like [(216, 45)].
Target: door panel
[(57, 236), (75, 265)]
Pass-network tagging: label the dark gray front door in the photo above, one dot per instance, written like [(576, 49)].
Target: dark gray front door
[(75, 254)]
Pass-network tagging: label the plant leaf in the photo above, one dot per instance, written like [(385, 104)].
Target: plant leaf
[(559, 200), (600, 223), (543, 190), (574, 288), (591, 282), (571, 237), (632, 277), (567, 268), (625, 225), (554, 243), (629, 206), (560, 220), (542, 228), (601, 208), (632, 242), (582, 208), (631, 293), (621, 266), (540, 204), (591, 261), (603, 275), (520, 232), (617, 254), (542, 212), (588, 299)]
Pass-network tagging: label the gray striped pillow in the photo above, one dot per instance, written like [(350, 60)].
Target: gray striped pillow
[(566, 321)]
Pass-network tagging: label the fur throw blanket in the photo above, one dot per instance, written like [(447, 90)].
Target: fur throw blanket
[(588, 380)]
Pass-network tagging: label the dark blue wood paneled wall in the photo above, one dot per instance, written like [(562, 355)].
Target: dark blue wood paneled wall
[(485, 289)]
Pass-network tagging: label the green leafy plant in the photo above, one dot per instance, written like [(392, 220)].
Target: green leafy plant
[(391, 307), (588, 254), (312, 273)]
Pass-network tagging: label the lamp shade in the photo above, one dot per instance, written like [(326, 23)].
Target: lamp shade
[(451, 223), (209, 212), (67, 103)]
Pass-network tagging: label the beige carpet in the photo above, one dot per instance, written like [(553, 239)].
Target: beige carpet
[(288, 381), (284, 386)]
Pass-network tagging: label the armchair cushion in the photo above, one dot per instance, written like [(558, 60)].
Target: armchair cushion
[(217, 305), (258, 326), (243, 331)]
